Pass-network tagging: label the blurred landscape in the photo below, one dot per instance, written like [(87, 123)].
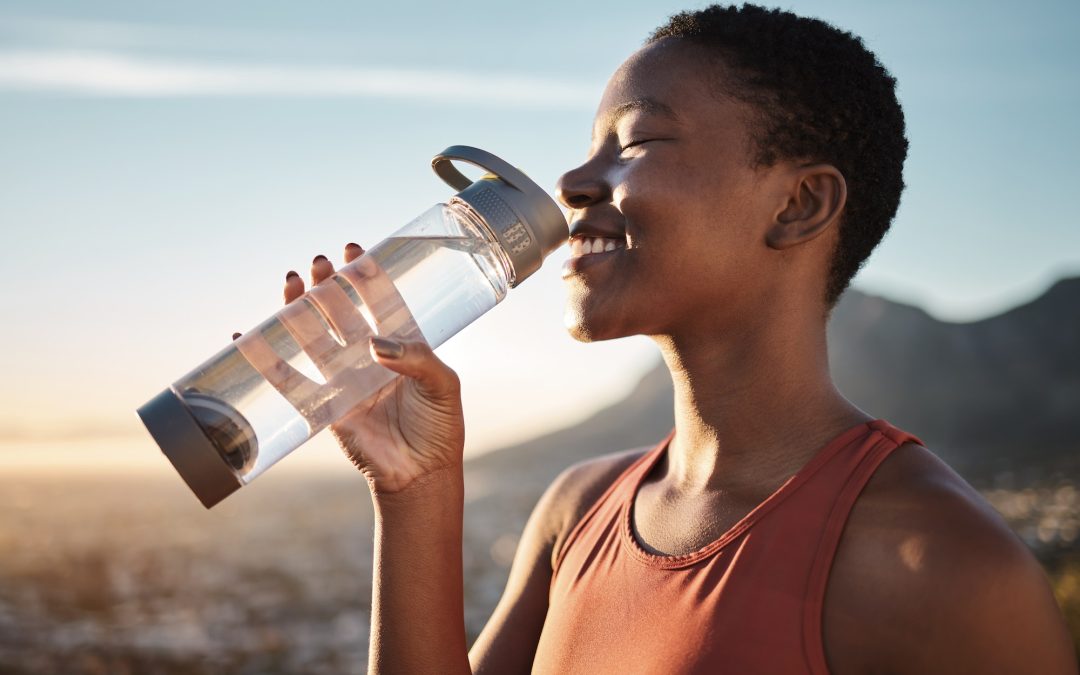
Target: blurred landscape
[(124, 574)]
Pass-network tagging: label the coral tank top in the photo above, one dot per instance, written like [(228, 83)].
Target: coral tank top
[(749, 602)]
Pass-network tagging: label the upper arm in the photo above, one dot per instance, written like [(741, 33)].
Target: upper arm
[(961, 591), (938, 583), (1015, 623), (508, 642), (990, 609)]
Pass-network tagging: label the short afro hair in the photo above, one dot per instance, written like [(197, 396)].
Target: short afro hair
[(822, 97)]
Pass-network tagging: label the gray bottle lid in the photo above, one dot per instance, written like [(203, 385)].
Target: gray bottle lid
[(524, 218)]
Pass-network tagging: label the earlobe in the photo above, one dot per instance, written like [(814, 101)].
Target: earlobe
[(815, 202)]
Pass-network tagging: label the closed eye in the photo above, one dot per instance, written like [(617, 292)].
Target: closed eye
[(634, 144), (623, 150)]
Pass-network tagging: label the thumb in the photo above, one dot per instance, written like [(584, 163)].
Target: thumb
[(416, 360)]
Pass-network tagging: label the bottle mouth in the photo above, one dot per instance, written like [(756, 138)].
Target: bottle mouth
[(482, 226), (226, 428)]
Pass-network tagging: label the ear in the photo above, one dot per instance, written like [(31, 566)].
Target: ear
[(813, 204)]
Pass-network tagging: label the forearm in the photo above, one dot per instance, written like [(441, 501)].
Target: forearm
[(417, 609)]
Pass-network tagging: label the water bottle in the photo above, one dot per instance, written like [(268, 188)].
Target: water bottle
[(276, 386)]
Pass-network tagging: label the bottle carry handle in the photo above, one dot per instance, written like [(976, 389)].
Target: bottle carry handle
[(443, 165)]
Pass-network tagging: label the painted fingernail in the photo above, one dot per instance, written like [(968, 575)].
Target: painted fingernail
[(387, 349), (290, 275), (354, 245), (235, 335), (318, 258)]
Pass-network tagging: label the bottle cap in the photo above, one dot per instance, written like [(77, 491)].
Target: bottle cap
[(524, 218)]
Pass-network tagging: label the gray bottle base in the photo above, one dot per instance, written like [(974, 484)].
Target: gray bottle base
[(186, 445)]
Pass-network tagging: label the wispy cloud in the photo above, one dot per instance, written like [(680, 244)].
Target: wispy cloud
[(119, 75), (54, 32)]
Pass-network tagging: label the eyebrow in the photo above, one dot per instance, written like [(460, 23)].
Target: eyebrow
[(645, 105)]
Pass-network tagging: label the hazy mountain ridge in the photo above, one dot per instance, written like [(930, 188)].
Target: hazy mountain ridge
[(992, 396), (999, 394)]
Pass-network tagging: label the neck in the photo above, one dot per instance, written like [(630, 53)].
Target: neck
[(753, 406)]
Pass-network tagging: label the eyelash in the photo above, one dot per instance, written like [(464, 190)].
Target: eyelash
[(632, 144)]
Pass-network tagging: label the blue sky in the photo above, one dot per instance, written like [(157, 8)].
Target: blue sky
[(164, 164)]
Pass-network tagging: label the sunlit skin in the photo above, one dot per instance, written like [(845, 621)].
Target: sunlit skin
[(723, 264), (670, 171)]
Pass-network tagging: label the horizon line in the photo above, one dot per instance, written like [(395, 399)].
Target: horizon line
[(97, 432)]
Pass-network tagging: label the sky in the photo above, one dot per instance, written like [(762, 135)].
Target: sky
[(163, 164)]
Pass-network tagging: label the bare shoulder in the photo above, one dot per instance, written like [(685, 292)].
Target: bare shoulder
[(929, 578), (916, 498), (508, 641), (577, 488)]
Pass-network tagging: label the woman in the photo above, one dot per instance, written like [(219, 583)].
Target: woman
[(743, 165)]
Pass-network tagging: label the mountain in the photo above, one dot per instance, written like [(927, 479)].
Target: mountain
[(997, 395), (992, 397)]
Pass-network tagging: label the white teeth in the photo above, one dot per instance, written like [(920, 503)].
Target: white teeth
[(580, 246)]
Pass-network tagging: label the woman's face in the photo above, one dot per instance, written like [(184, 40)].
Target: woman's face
[(670, 199)]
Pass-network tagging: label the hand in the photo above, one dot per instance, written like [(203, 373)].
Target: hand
[(412, 429)]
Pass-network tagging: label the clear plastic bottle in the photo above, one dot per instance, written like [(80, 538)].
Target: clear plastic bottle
[(305, 367)]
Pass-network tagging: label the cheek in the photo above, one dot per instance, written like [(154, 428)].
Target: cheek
[(689, 225), (652, 209), (666, 221)]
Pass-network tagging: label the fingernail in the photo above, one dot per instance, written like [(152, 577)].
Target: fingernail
[(387, 349), (290, 275), (354, 245), (318, 258), (235, 335)]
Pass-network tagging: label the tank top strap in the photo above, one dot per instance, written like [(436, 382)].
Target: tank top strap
[(889, 438), (621, 488)]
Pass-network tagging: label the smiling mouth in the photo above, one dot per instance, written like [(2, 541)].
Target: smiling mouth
[(584, 246)]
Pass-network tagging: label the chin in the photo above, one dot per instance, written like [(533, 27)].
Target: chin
[(588, 327), (576, 326), (579, 333)]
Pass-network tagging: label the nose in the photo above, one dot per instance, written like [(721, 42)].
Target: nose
[(581, 187)]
